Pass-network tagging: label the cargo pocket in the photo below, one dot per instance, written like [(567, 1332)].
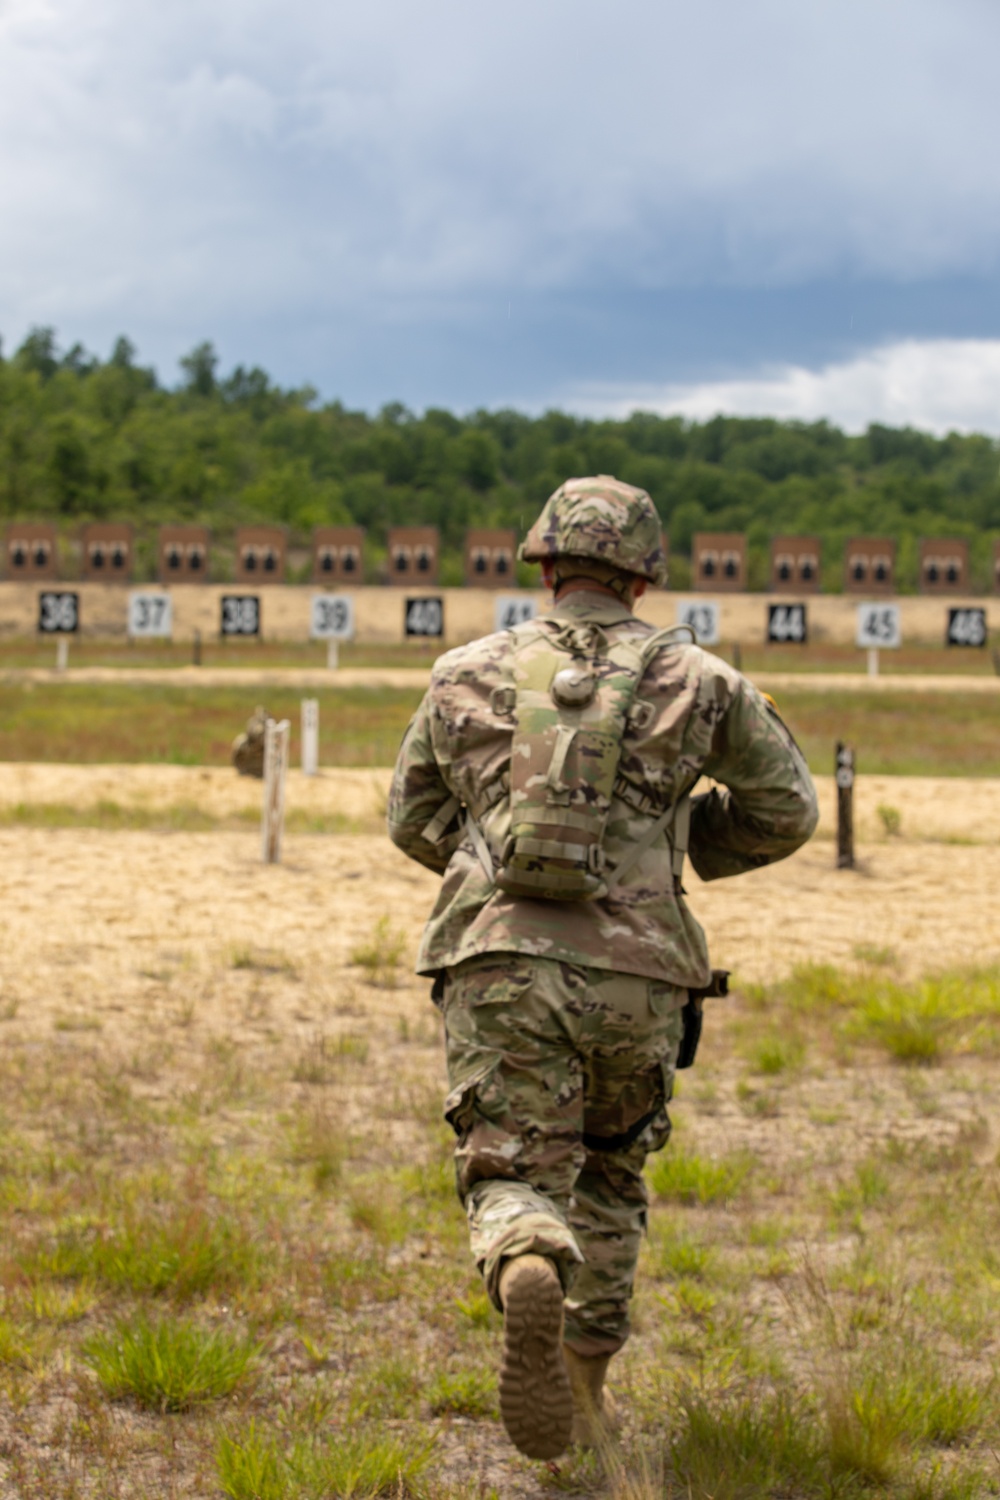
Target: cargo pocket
[(657, 1132), (489, 1145), (460, 1105)]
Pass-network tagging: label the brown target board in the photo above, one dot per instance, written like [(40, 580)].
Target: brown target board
[(413, 554), (719, 562), (31, 550), (944, 566), (260, 554), (489, 558), (795, 564), (183, 554), (337, 554), (870, 566), (107, 551)]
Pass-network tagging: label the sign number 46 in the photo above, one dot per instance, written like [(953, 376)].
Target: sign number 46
[(966, 627)]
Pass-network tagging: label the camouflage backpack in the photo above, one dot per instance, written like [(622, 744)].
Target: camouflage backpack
[(572, 697)]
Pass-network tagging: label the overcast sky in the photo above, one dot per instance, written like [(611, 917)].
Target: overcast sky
[(733, 205)]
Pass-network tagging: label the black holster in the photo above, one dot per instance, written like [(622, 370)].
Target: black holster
[(692, 1015)]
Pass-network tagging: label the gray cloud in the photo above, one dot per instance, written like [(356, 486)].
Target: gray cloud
[(177, 169)]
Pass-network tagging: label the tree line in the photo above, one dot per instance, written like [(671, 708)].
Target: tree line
[(83, 438)]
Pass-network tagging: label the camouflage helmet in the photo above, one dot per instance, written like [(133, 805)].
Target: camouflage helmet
[(603, 519)]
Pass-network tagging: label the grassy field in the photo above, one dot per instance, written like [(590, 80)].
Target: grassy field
[(215, 652), (182, 726), (233, 1264), (894, 733), (255, 655)]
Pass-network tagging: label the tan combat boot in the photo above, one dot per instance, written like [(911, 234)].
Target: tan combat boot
[(536, 1402), (595, 1416)]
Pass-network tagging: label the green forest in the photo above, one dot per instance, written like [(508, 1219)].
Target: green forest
[(84, 438)]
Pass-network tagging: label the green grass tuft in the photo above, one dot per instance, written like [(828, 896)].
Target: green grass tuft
[(469, 1393), (689, 1178), (169, 1365), (380, 956), (363, 1465)]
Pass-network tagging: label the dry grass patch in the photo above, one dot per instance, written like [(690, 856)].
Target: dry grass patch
[(266, 1175)]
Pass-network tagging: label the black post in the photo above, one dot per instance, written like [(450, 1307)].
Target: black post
[(196, 652), (844, 772)]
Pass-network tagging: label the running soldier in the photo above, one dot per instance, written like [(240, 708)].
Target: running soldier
[(547, 776)]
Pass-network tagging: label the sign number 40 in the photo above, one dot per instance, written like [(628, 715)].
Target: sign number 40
[(424, 617)]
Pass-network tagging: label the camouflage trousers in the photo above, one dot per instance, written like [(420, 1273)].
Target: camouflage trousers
[(559, 1082)]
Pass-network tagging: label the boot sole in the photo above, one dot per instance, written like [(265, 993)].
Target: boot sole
[(536, 1401)]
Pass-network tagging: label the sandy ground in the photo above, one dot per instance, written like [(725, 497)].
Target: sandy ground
[(156, 953), (936, 808), (418, 677), (94, 911)]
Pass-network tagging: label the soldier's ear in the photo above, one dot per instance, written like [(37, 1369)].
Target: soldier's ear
[(548, 572)]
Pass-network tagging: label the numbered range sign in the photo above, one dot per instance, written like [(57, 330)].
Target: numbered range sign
[(703, 617), (513, 609), (150, 614), (58, 612), (787, 624), (424, 617), (240, 614), (331, 617), (878, 626), (966, 627)]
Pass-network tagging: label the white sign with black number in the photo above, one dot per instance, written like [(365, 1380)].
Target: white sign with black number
[(332, 617), (703, 617), (150, 615), (966, 627), (58, 613), (787, 624), (513, 609), (424, 617), (240, 614), (878, 626)]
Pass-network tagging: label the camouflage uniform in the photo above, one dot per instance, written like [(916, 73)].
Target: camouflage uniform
[(563, 1017), (248, 748)]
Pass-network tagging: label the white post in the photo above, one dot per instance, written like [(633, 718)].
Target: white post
[(272, 821), (872, 661), (310, 736), (332, 654), (62, 653)]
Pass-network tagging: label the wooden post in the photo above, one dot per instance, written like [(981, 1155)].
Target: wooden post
[(332, 654), (844, 771), (275, 766), (62, 653), (872, 661), (310, 736)]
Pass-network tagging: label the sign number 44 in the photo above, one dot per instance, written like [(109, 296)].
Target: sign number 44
[(786, 623)]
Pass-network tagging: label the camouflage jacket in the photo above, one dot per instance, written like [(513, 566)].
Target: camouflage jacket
[(707, 720)]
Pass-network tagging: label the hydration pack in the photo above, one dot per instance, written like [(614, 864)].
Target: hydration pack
[(572, 696)]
